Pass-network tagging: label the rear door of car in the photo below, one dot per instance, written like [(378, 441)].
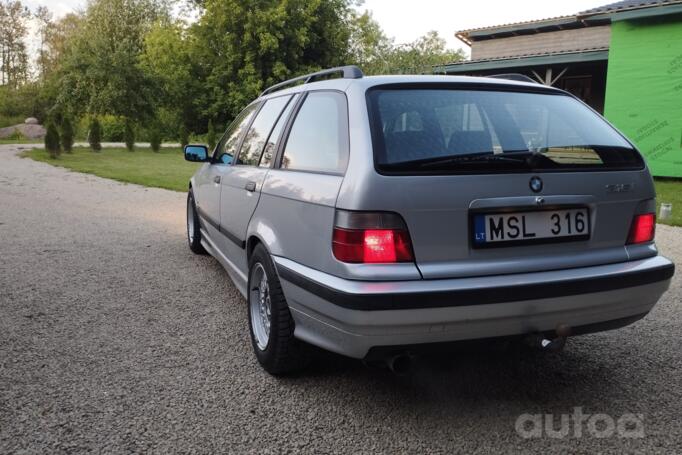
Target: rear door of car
[(465, 179), (242, 183)]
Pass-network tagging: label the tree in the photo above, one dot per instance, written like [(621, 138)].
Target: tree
[(155, 137), (52, 140), (421, 55), (45, 25), (211, 135), (377, 54), (183, 136), (129, 135), (101, 74), (369, 47), (67, 134), (95, 134), (167, 60), (240, 49), (14, 17)]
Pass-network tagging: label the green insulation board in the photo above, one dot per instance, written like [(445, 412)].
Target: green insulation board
[(644, 89)]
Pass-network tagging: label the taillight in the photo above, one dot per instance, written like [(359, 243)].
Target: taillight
[(361, 237), (643, 228)]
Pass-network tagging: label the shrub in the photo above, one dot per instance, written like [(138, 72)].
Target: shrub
[(210, 136), (183, 136), (95, 135), (155, 137), (52, 140), (129, 136), (113, 128), (67, 134)]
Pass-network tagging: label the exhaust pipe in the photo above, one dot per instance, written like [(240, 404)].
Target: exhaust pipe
[(556, 344), (400, 364)]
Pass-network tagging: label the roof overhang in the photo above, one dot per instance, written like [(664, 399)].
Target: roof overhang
[(523, 61), (639, 13)]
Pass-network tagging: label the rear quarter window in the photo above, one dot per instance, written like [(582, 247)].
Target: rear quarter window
[(318, 139)]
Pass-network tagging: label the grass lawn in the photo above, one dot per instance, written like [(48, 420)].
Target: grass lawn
[(168, 169), (165, 169)]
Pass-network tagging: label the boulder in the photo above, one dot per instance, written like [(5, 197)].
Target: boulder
[(31, 121), (29, 131)]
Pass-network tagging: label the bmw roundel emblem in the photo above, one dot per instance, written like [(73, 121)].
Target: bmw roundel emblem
[(535, 184)]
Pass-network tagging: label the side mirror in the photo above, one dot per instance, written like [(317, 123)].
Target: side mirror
[(196, 153)]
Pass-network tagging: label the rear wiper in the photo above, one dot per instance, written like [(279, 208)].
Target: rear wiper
[(525, 157)]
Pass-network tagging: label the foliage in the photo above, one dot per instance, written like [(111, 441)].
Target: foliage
[(377, 54), (95, 134), (100, 73), (242, 49), (167, 59), (211, 135), (165, 169), (131, 59), (52, 140), (129, 135), (155, 137), (66, 130), (183, 136), (369, 46), (14, 18)]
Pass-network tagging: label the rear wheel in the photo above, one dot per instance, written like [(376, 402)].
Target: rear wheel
[(193, 228), (270, 322)]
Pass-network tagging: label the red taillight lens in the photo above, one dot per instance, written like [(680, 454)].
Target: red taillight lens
[(372, 245), (643, 228)]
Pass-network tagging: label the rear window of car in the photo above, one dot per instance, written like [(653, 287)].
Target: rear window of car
[(474, 131)]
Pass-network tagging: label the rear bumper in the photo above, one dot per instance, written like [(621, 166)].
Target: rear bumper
[(351, 317)]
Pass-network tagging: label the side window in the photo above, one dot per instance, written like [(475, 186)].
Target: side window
[(271, 146), (318, 140), (228, 144), (255, 138)]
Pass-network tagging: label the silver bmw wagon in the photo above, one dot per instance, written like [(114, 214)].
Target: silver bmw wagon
[(375, 216)]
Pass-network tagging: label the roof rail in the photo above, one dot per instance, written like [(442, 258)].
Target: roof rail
[(513, 77), (349, 72)]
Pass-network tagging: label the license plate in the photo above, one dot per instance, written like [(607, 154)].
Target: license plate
[(529, 227)]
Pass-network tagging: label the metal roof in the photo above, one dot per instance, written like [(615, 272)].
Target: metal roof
[(592, 16), (626, 4), (528, 60)]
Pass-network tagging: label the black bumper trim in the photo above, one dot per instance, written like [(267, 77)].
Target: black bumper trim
[(470, 297)]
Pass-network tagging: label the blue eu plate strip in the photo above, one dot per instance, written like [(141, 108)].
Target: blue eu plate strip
[(479, 229)]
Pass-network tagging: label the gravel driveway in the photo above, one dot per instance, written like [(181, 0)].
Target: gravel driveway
[(114, 337)]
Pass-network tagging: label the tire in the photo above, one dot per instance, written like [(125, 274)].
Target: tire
[(193, 227), (276, 349)]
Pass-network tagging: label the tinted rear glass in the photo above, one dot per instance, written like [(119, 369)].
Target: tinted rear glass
[(432, 130)]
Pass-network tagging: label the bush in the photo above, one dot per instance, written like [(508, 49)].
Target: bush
[(155, 138), (129, 137), (67, 134), (7, 120), (113, 128), (95, 135), (183, 136), (52, 140), (210, 136)]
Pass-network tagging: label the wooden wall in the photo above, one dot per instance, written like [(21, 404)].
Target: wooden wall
[(562, 40)]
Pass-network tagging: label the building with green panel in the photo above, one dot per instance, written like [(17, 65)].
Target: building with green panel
[(623, 59)]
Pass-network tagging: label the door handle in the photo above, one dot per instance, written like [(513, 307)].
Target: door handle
[(216, 179), (250, 186)]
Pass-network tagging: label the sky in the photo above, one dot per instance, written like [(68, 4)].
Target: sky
[(407, 20)]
